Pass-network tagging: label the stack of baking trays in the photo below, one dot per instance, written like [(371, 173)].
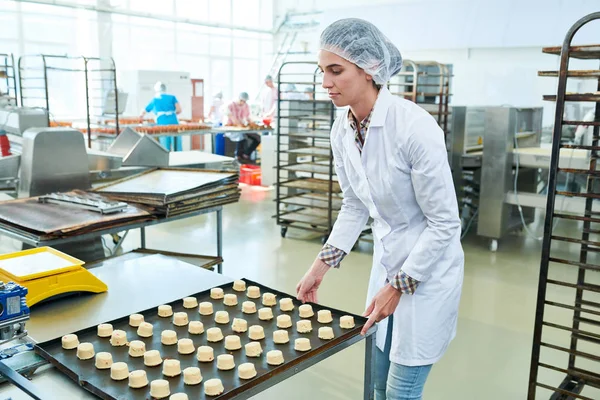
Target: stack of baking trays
[(64, 215), (168, 192)]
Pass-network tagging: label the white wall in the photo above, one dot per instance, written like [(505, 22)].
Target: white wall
[(494, 45)]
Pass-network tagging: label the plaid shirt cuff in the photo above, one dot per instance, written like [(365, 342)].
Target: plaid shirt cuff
[(331, 256), (404, 283)]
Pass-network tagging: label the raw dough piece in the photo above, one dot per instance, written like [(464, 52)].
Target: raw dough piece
[(304, 326), (230, 300), (171, 368), (216, 293), (233, 342), (225, 362), (246, 371), (168, 337), (306, 311), (347, 322), (284, 321), (265, 314), (159, 389), (302, 344), (196, 328), (192, 376), (145, 329), (105, 330), (206, 308), (205, 354), (269, 299), (253, 349), (286, 304), (135, 320), (326, 333), (190, 302), (180, 319), (248, 307), (185, 346), (152, 358), (214, 335), (275, 357), (119, 371), (137, 348), (253, 292), (165, 311), (239, 286), (324, 316), (118, 338), (213, 387), (281, 337), (239, 325), (222, 317), (138, 379), (85, 351), (179, 396), (104, 360), (70, 341), (256, 332)]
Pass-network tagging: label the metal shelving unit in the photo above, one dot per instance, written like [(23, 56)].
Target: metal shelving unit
[(565, 361), (308, 194), (426, 83), (8, 77), (99, 89)]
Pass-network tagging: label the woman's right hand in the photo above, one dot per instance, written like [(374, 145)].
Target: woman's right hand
[(309, 285)]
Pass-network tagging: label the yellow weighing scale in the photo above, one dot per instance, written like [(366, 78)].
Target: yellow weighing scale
[(47, 272)]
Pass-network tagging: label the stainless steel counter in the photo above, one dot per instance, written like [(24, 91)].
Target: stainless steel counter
[(133, 285)]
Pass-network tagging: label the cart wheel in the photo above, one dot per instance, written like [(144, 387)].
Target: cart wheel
[(284, 231), (494, 245)]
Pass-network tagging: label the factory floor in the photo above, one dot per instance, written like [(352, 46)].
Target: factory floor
[(490, 357)]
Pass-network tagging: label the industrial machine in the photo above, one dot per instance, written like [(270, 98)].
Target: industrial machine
[(495, 165)]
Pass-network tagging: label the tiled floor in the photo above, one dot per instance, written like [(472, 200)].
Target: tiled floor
[(490, 356)]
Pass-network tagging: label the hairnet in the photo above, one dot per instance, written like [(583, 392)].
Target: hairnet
[(160, 87), (244, 96), (361, 43), (218, 95), (268, 78)]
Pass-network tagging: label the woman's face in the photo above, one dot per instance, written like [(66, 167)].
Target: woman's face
[(344, 81)]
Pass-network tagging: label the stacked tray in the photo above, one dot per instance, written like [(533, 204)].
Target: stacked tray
[(100, 383)]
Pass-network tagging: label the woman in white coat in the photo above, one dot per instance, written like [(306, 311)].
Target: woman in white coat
[(391, 162)]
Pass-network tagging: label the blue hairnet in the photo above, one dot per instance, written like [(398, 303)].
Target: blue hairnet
[(363, 44)]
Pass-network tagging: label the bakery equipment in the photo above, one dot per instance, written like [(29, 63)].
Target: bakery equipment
[(45, 272)]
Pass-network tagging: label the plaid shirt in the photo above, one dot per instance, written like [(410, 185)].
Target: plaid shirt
[(333, 256)]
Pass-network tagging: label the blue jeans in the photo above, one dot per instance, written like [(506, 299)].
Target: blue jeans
[(394, 381), (165, 141)]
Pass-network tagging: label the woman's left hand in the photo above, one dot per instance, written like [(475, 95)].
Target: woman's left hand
[(383, 305)]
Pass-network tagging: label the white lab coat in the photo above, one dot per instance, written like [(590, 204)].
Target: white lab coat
[(403, 181)]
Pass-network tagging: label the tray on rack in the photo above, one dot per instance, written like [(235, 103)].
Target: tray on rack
[(99, 382), (315, 200), (321, 185)]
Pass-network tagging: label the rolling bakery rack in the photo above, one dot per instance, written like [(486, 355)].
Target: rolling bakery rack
[(426, 83), (308, 194), (9, 76), (565, 361), (95, 80)]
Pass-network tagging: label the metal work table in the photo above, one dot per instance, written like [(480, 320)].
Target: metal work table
[(25, 238), (129, 283)]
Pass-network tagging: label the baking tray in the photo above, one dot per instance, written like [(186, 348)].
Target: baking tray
[(99, 383)]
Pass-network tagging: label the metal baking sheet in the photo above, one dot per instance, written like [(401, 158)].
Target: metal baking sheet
[(168, 184), (99, 383), (57, 219), (313, 184)]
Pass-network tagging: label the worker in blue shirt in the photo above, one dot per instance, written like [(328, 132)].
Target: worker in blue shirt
[(165, 107)]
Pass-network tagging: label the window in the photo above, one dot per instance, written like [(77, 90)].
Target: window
[(196, 10), (219, 11), (246, 13)]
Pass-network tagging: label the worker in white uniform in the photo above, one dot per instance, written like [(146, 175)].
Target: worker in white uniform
[(268, 99), (391, 162)]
